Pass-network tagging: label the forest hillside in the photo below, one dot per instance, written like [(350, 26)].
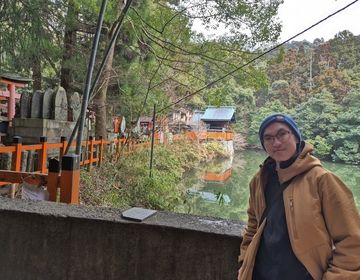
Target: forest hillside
[(149, 54)]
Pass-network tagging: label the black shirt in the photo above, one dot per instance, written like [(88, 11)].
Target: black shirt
[(275, 259)]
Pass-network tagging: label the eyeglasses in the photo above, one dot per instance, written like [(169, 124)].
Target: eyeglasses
[(282, 136)]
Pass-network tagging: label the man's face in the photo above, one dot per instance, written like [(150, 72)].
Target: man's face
[(279, 141)]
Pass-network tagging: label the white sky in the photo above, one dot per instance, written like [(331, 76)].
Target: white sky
[(297, 15)]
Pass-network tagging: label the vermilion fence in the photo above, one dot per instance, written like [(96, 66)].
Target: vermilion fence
[(48, 172), (61, 173), (210, 135)]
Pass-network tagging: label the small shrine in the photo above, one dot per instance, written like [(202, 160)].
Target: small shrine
[(219, 118)]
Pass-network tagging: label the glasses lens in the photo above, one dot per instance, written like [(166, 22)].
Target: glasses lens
[(268, 139), (283, 135)]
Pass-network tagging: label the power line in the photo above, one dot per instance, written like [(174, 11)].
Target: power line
[(257, 57)]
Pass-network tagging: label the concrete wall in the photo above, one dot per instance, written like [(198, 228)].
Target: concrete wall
[(49, 241)]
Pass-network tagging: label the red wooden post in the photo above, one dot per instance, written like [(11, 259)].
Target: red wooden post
[(11, 103), (118, 143), (16, 156), (42, 165), (91, 152), (12, 81), (70, 179), (53, 179), (16, 161)]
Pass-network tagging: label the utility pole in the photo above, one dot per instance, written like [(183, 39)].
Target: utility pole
[(310, 70)]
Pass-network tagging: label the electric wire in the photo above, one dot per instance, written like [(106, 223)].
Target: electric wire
[(256, 58)]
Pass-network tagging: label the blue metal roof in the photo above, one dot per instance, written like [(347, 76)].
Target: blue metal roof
[(226, 113)]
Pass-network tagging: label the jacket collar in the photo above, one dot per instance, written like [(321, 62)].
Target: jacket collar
[(303, 162)]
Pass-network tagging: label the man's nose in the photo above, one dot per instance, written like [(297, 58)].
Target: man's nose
[(276, 141)]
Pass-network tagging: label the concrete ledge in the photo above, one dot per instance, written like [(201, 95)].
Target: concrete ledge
[(44, 240)]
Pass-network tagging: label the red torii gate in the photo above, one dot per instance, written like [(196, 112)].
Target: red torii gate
[(12, 82)]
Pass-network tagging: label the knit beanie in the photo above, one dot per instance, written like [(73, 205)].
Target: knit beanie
[(286, 119)]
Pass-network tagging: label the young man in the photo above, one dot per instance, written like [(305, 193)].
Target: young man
[(303, 222)]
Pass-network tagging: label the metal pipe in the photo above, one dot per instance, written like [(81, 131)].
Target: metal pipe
[(96, 80), (89, 77), (112, 42), (152, 142)]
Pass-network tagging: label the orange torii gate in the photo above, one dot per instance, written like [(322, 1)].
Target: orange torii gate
[(12, 82)]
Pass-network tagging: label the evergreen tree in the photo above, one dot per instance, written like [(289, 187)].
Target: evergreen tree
[(346, 137), (317, 119)]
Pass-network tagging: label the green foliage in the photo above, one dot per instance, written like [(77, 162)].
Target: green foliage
[(220, 198), (322, 147), (216, 150), (127, 183), (258, 115), (280, 55), (280, 90), (256, 18), (27, 35), (158, 59), (333, 128), (345, 47), (346, 137), (317, 116), (348, 152), (318, 83)]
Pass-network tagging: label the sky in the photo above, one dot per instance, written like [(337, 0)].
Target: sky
[(297, 15)]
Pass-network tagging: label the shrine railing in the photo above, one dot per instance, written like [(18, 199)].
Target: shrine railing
[(60, 173)]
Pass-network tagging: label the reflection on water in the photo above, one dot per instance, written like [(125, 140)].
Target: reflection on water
[(210, 196), (227, 195), (217, 171)]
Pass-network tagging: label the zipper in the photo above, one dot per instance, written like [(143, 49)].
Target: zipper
[(292, 211)]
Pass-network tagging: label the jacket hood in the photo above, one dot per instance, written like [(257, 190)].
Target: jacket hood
[(304, 162)]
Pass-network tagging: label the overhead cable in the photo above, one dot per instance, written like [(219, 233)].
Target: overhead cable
[(256, 58)]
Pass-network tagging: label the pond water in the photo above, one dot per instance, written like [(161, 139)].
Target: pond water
[(210, 195)]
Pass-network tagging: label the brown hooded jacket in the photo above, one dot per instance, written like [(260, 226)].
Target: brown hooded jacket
[(322, 220)]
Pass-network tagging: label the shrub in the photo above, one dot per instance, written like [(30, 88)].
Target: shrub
[(126, 183)]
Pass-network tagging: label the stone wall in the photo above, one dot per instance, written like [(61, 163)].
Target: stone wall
[(52, 113), (44, 240)]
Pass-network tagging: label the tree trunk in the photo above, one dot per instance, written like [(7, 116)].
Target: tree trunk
[(99, 102), (36, 73), (66, 77)]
